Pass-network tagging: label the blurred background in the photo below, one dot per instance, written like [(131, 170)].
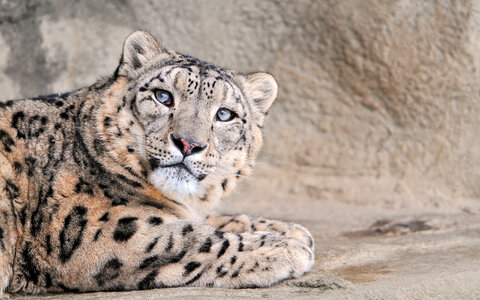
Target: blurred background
[(378, 103)]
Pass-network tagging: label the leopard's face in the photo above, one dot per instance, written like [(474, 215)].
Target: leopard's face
[(200, 125), (196, 124)]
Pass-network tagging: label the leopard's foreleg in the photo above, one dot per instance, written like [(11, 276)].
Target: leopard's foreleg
[(140, 252)]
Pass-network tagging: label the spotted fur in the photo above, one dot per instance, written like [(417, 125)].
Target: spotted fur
[(106, 188)]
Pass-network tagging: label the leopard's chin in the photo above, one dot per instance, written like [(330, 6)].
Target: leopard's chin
[(174, 180)]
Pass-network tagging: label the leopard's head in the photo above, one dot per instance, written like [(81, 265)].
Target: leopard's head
[(195, 126)]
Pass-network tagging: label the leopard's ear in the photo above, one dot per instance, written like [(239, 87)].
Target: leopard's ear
[(261, 88), (139, 49)]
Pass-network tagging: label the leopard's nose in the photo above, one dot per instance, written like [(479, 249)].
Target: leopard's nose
[(186, 146)]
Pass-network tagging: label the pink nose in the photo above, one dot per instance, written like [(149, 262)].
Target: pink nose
[(186, 146)]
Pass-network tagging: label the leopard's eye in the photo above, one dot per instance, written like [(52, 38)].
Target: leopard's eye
[(164, 97), (225, 115)]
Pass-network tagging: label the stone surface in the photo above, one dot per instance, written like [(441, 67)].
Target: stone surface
[(376, 120), (383, 93)]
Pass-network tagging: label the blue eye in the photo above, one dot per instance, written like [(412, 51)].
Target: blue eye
[(225, 115), (164, 97)]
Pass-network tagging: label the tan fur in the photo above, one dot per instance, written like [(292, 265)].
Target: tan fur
[(106, 188)]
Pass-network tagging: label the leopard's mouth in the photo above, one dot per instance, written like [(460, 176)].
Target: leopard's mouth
[(181, 167)]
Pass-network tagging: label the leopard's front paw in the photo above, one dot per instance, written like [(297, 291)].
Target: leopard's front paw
[(301, 256), (302, 234), (245, 223), (290, 230)]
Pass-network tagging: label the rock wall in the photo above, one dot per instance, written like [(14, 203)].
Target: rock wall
[(378, 100)]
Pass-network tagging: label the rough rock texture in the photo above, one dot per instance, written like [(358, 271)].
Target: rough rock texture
[(377, 117), (378, 99)]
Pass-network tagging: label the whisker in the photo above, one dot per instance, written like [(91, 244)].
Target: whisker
[(226, 171), (151, 151)]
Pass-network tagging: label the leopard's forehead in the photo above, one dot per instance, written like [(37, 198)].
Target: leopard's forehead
[(195, 81), (186, 68)]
